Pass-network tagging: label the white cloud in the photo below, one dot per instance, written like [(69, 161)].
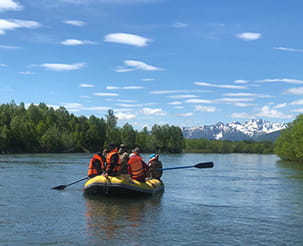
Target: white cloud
[(246, 95), (136, 65), (26, 73), (202, 108), (125, 116), (102, 94), (9, 47), (126, 38), (148, 79), (127, 105), (241, 115), (73, 42), (221, 86), (186, 114), (272, 113), (75, 22), (248, 36), (3, 65), (198, 101), (180, 25), (124, 87), (298, 102), (86, 85), (175, 103), (6, 5), (154, 111), (6, 25), (291, 81), (182, 96), (283, 105), (295, 91), (62, 67), (241, 81), (287, 49)]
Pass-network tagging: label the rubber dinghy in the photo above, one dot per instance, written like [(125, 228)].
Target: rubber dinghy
[(120, 186)]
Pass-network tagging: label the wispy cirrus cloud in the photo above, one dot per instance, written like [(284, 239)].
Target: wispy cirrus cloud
[(59, 67), (202, 108), (104, 94), (263, 112), (125, 116), (247, 95), (126, 38), (87, 85), (290, 81), (295, 91), (180, 25), (124, 87), (154, 111), (288, 49), (11, 24), (74, 42), (220, 86), (248, 36), (75, 22), (6, 5), (9, 47), (133, 65)]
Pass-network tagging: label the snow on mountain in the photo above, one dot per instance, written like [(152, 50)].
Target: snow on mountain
[(235, 131)]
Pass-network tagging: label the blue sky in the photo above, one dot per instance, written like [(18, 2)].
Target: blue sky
[(176, 62)]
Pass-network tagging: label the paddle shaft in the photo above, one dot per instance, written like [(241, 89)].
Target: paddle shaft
[(199, 165), (61, 187)]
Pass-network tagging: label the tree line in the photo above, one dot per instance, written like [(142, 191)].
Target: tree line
[(43, 129), (289, 145), (39, 128)]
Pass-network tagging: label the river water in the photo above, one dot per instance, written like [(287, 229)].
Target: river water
[(245, 199)]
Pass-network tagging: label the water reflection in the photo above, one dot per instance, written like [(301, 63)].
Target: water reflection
[(111, 218)]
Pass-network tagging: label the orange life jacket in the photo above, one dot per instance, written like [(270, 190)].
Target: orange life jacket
[(92, 170), (136, 166), (108, 161)]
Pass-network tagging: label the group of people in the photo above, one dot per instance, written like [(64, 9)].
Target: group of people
[(114, 161)]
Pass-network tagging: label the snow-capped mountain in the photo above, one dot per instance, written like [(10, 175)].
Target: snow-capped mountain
[(236, 131)]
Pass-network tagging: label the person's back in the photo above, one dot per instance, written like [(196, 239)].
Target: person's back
[(124, 156), (154, 164), (96, 165), (112, 161), (136, 166)]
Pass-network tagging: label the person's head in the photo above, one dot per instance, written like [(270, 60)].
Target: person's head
[(122, 146), (152, 156), (137, 150), (110, 147)]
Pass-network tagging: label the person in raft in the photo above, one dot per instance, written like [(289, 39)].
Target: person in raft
[(124, 156), (96, 165), (154, 164), (136, 166), (112, 159)]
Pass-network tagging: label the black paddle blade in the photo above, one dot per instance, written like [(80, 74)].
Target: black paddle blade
[(59, 187), (204, 165)]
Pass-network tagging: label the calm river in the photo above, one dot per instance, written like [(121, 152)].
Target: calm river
[(244, 200)]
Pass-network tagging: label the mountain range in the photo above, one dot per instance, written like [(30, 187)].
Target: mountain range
[(256, 130)]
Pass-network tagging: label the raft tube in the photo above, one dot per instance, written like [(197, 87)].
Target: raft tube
[(120, 186)]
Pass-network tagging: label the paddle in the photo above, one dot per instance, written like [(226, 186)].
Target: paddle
[(62, 187), (199, 165)]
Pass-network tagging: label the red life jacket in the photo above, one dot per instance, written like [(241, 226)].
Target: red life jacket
[(92, 170), (109, 160), (136, 166)]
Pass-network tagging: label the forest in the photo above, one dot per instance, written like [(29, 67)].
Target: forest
[(43, 129)]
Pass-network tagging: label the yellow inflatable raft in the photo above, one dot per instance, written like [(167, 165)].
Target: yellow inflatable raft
[(120, 186)]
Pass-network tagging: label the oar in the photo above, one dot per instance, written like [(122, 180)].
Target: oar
[(199, 165), (62, 187)]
